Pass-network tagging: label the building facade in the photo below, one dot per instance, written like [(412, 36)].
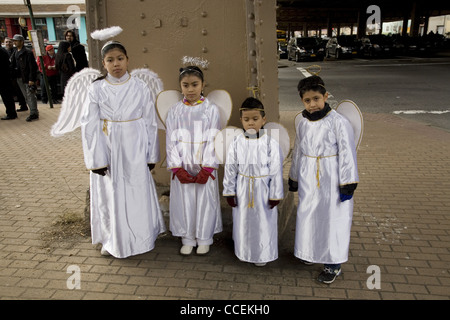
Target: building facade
[(53, 18)]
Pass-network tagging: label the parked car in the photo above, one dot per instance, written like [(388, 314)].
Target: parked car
[(376, 46), (342, 47), (427, 45), (307, 48)]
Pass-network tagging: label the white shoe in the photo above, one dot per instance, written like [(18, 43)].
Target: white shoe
[(202, 249), (186, 250), (260, 264), (103, 252)]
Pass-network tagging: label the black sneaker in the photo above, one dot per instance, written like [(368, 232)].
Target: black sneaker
[(32, 117), (22, 109), (328, 275), (9, 118)]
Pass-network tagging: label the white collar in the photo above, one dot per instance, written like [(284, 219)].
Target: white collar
[(120, 80)]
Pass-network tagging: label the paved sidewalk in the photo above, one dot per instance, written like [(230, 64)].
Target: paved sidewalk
[(401, 226)]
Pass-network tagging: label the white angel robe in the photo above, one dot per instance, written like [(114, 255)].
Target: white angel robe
[(254, 174), (119, 130), (195, 213), (324, 158)]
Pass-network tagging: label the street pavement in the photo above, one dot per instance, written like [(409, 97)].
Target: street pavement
[(399, 247)]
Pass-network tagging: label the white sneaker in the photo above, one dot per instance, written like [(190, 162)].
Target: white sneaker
[(186, 250), (260, 264), (202, 249), (103, 252)]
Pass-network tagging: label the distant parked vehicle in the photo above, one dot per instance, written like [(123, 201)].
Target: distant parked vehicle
[(376, 46), (307, 48), (345, 46)]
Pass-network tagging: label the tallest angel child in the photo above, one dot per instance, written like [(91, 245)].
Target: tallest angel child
[(120, 143), (191, 125)]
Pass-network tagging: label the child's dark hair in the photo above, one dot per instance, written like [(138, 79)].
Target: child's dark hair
[(108, 47), (312, 83), (113, 45), (191, 70), (63, 46), (252, 103)]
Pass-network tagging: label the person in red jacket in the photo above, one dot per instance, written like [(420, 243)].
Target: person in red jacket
[(52, 74)]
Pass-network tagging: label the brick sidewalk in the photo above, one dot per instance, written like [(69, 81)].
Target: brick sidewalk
[(401, 224)]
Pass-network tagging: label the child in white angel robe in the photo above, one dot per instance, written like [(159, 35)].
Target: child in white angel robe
[(119, 132), (253, 178), (325, 173), (195, 213)]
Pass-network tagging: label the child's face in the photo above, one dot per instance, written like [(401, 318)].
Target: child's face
[(252, 120), (116, 63), (192, 87), (314, 101)]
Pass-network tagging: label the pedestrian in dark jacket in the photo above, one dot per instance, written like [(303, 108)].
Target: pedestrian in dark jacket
[(25, 68), (78, 52), (6, 89), (65, 63), (9, 46)]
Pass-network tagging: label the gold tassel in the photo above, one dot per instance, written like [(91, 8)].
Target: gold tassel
[(105, 127), (318, 171), (251, 185), (318, 166)]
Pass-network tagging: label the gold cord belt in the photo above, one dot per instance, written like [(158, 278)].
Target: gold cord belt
[(105, 123), (198, 155), (318, 165), (251, 185)]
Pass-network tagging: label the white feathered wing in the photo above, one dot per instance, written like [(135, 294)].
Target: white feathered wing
[(75, 96)]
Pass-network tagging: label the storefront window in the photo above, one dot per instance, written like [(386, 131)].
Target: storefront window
[(3, 32), (41, 24), (60, 27)]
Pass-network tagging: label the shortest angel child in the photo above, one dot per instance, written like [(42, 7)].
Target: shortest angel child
[(253, 186)]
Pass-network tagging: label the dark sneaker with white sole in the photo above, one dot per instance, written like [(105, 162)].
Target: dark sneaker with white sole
[(328, 275)]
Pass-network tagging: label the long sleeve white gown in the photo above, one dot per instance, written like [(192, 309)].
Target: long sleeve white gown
[(195, 212), (119, 131), (324, 158), (254, 174)]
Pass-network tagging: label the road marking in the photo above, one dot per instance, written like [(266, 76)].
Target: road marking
[(402, 64), (420, 112), (304, 72)]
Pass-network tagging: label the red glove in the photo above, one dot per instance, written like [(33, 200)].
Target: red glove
[(203, 176), (232, 202), (273, 203), (184, 176)]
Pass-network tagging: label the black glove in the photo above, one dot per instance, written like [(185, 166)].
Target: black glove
[(231, 201), (151, 166), (101, 171), (346, 191), (293, 185)]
